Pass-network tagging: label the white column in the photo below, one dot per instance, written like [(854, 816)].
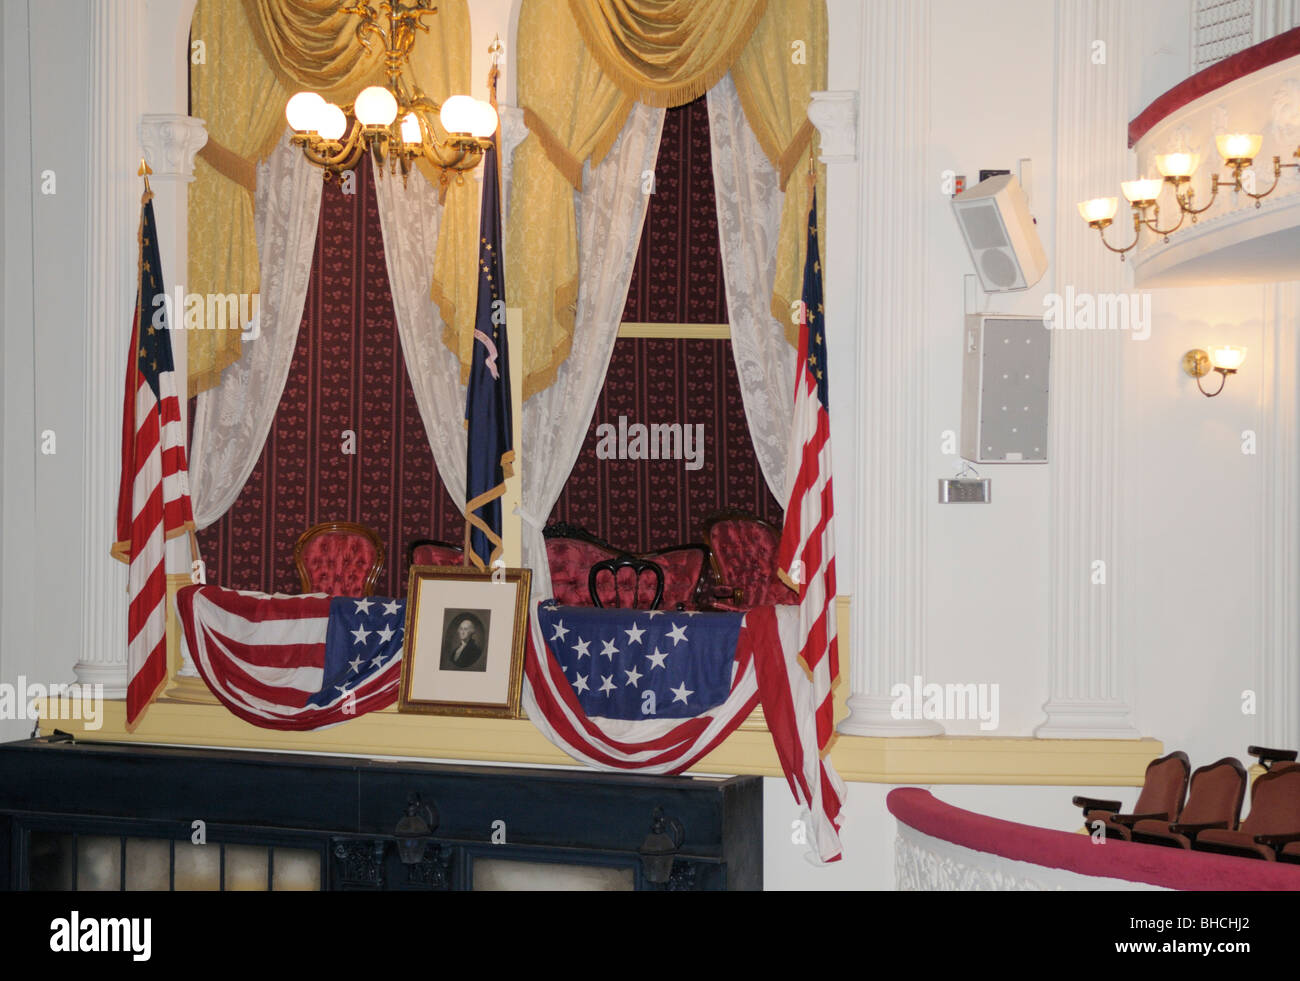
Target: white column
[(1278, 705), (117, 52), (888, 541), (1089, 681)]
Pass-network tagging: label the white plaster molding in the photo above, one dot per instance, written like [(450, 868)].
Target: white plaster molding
[(170, 141), (923, 863), (888, 544), (835, 114), (1089, 683), (117, 54), (1278, 698)]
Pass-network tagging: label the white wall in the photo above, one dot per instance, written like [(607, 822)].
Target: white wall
[(46, 65)]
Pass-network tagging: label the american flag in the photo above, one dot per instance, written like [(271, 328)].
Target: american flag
[(806, 557), (153, 501), (294, 662), (631, 664)]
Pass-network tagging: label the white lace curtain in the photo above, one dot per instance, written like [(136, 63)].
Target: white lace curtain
[(410, 215), (232, 420), (611, 210), (749, 196)]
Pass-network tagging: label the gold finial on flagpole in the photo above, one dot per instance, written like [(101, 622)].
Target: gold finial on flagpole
[(494, 69), (144, 171)]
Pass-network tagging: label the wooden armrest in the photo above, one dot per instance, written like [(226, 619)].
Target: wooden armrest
[(1096, 804), (1132, 819), (1192, 830), (1267, 756), (1277, 841)]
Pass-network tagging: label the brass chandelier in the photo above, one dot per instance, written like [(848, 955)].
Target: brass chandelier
[(394, 122), (1176, 169)]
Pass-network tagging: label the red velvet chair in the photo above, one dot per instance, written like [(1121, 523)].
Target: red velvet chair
[(1161, 799), (687, 575), (744, 549), (340, 558), (427, 551), (626, 583), (570, 553)]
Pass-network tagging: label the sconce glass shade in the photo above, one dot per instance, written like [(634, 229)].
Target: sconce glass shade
[(375, 106), (1178, 164), (1227, 358), (1098, 209), (410, 129), (1238, 146), (331, 124), (304, 111), (458, 114), (484, 123), (1143, 190)]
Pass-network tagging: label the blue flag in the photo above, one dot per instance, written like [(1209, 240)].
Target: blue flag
[(487, 404)]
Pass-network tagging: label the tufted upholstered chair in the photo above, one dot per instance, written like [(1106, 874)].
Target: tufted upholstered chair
[(427, 551), (744, 549), (340, 558)]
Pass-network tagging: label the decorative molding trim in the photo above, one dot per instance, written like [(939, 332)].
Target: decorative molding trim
[(923, 863), (117, 54), (513, 132), (1278, 718), (1088, 681), (835, 114), (888, 546), (170, 142)]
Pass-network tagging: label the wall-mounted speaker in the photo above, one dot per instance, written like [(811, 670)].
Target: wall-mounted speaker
[(1005, 389), (1000, 234)]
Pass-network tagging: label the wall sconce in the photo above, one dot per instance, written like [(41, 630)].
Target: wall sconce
[(1225, 359), (414, 830), (660, 847), (1238, 151)]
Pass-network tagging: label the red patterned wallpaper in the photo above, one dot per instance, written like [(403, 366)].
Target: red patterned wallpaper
[(348, 373), (645, 504), (677, 278)]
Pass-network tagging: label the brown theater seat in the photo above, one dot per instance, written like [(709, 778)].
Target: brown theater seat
[(1270, 758), (1213, 801), (1273, 823), (1161, 798)]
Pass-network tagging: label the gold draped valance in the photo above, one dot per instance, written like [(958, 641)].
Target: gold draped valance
[(258, 53), (582, 64), (665, 52)]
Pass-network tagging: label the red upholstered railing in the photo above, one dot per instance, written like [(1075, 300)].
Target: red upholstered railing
[(1168, 867), (1230, 69)]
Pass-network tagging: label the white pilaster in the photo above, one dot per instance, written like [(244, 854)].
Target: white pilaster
[(888, 542), (1278, 707), (1089, 682), (117, 53)]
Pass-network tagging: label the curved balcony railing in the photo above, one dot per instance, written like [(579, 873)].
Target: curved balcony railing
[(941, 847)]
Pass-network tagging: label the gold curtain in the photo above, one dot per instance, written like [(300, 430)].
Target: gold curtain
[(574, 113), (666, 52), (259, 52), (775, 76), (582, 63)]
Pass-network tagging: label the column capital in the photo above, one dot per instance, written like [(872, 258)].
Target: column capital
[(170, 141), (835, 114)]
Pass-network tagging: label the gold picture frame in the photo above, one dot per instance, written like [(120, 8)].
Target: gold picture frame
[(464, 643)]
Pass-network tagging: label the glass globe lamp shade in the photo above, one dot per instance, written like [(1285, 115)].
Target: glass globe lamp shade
[(484, 123), (1098, 209), (332, 123), (375, 106), (459, 114), (1239, 146), (304, 111), (411, 135)]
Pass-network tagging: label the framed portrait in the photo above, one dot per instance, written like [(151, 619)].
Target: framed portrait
[(464, 650)]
